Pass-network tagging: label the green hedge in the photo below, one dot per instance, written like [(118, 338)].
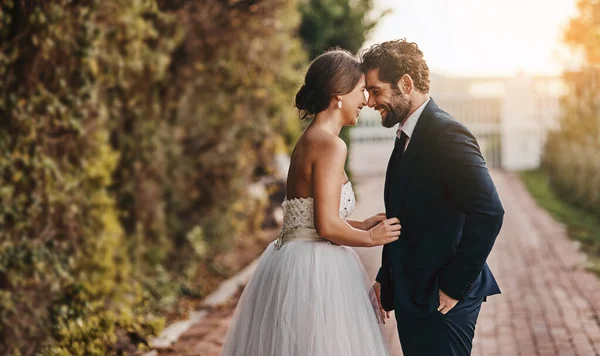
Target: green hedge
[(574, 171), (129, 131), (571, 154)]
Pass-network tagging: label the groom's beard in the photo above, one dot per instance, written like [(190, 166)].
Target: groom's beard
[(397, 110)]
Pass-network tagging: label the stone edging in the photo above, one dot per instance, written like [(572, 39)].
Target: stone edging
[(226, 290)]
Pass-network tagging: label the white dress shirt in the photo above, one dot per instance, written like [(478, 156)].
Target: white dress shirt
[(409, 125)]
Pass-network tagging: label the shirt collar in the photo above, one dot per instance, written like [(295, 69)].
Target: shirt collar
[(411, 122)]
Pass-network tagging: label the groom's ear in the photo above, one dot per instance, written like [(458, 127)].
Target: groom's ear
[(405, 84)]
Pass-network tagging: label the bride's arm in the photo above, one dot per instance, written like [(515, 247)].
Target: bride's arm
[(327, 176)]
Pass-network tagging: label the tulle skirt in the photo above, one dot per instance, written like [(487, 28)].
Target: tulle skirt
[(308, 298)]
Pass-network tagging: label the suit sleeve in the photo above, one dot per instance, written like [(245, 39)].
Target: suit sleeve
[(379, 277), (466, 175), (384, 267)]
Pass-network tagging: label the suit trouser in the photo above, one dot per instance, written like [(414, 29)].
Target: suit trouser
[(436, 334)]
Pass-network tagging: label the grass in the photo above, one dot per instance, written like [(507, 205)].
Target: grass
[(582, 225)]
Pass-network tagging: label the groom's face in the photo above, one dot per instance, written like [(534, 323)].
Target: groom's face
[(392, 103)]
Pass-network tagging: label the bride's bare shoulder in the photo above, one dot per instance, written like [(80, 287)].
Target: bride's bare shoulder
[(323, 143)]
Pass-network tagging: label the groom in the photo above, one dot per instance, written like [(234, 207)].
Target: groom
[(435, 276)]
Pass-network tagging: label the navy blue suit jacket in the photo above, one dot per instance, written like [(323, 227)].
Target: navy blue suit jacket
[(450, 212)]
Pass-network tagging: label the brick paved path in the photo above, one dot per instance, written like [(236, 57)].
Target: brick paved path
[(550, 305)]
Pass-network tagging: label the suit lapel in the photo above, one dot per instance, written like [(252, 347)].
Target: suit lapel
[(388, 173), (412, 152)]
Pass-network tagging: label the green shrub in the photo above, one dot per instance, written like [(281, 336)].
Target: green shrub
[(129, 134), (571, 155)]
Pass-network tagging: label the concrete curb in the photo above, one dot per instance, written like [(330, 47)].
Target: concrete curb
[(226, 290)]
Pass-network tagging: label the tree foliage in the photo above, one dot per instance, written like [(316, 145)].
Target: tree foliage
[(571, 152), (329, 23), (582, 102), (129, 133)]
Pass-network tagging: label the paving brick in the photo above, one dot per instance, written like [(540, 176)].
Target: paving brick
[(549, 306)]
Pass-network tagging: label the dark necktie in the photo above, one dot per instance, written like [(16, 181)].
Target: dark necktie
[(399, 147)]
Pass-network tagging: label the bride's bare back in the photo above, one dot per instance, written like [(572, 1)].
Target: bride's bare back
[(316, 149), (317, 171)]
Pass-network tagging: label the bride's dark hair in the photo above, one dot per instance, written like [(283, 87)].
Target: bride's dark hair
[(335, 72)]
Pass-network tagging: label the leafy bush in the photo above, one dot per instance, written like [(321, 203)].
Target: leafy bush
[(130, 132), (571, 155)]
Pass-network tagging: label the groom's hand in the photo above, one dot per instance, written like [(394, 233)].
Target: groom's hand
[(446, 302), (384, 314)]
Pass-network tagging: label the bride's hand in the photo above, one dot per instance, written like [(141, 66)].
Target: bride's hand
[(369, 223), (385, 232)]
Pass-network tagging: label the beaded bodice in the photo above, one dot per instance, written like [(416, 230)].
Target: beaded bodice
[(299, 212)]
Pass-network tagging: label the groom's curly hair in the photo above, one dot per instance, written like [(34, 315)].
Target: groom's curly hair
[(396, 58)]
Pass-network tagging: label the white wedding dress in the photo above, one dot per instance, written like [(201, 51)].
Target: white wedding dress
[(308, 296)]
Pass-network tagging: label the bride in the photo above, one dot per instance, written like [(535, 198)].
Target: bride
[(310, 295)]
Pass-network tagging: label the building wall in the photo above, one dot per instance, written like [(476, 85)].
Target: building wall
[(509, 116)]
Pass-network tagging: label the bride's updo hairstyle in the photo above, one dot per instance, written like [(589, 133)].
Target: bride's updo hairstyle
[(335, 72)]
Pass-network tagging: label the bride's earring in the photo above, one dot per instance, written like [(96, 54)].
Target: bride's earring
[(340, 103)]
